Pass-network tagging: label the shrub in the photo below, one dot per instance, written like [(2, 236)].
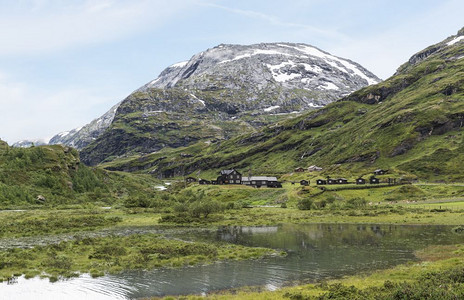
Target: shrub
[(305, 204), (356, 203), (204, 208)]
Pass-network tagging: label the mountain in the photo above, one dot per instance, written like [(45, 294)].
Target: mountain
[(82, 136), (219, 93), (29, 143), (411, 123)]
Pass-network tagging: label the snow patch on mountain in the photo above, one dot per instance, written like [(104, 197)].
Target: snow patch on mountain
[(179, 65), (271, 108), (30, 143), (329, 86), (455, 40)]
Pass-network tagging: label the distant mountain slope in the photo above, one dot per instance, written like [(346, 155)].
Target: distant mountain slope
[(224, 91), (412, 122), (82, 136), (29, 143)]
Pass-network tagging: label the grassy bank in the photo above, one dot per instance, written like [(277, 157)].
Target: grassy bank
[(114, 254), (50, 222)]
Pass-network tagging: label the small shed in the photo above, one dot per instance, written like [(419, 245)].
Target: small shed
[(380, 172), (332, 181), (190, 179), (342, 181), (374, 180), (304, 182), (360, 181), (299, 169), (321, 182)]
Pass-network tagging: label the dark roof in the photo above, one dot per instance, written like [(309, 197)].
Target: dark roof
[(227, 172), (262, 178)]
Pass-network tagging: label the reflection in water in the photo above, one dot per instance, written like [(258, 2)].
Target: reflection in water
[(316, 251)]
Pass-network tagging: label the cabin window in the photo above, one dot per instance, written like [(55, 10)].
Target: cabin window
[(253, 182)]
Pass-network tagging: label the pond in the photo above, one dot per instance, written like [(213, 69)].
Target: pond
[(315, 251)]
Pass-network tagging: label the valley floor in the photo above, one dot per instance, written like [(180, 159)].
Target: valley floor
[(71, 223)]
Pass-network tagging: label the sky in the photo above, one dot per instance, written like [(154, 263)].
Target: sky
[(64, 63)]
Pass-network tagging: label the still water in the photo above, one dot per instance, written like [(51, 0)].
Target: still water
[(315, 251)]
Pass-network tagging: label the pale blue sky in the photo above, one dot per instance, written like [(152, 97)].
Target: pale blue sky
[(64, 63)]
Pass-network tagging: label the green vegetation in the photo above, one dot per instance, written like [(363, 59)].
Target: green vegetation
[(148, 121), (39, 222), (117, 253), (49, 176)]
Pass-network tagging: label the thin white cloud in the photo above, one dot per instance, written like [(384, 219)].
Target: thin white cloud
[(278, 22), (49, 26)]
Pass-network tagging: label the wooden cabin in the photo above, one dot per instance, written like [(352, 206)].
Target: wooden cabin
[(360, 181), (321, 182), (342, 181), (261, 181), (204, 181), (374, 180), (229, 177), (299, 169), (332, 181), (380, 172), (304, 182), (190, 179)]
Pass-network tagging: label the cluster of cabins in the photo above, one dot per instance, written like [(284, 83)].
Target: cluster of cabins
[(360, 180), (235, 177)]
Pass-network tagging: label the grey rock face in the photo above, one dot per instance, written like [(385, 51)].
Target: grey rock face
[(268, 66)]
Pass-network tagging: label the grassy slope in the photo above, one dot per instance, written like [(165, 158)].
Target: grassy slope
[(155, 119), (410, 123), (55, 172)]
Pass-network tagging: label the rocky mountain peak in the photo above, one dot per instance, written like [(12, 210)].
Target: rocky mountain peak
[(219, 93), (290, 65)]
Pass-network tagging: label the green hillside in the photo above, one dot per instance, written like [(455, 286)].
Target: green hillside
[(410, 124), (53, 175)]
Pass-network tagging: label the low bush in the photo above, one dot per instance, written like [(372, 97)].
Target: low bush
[(305, 204)]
